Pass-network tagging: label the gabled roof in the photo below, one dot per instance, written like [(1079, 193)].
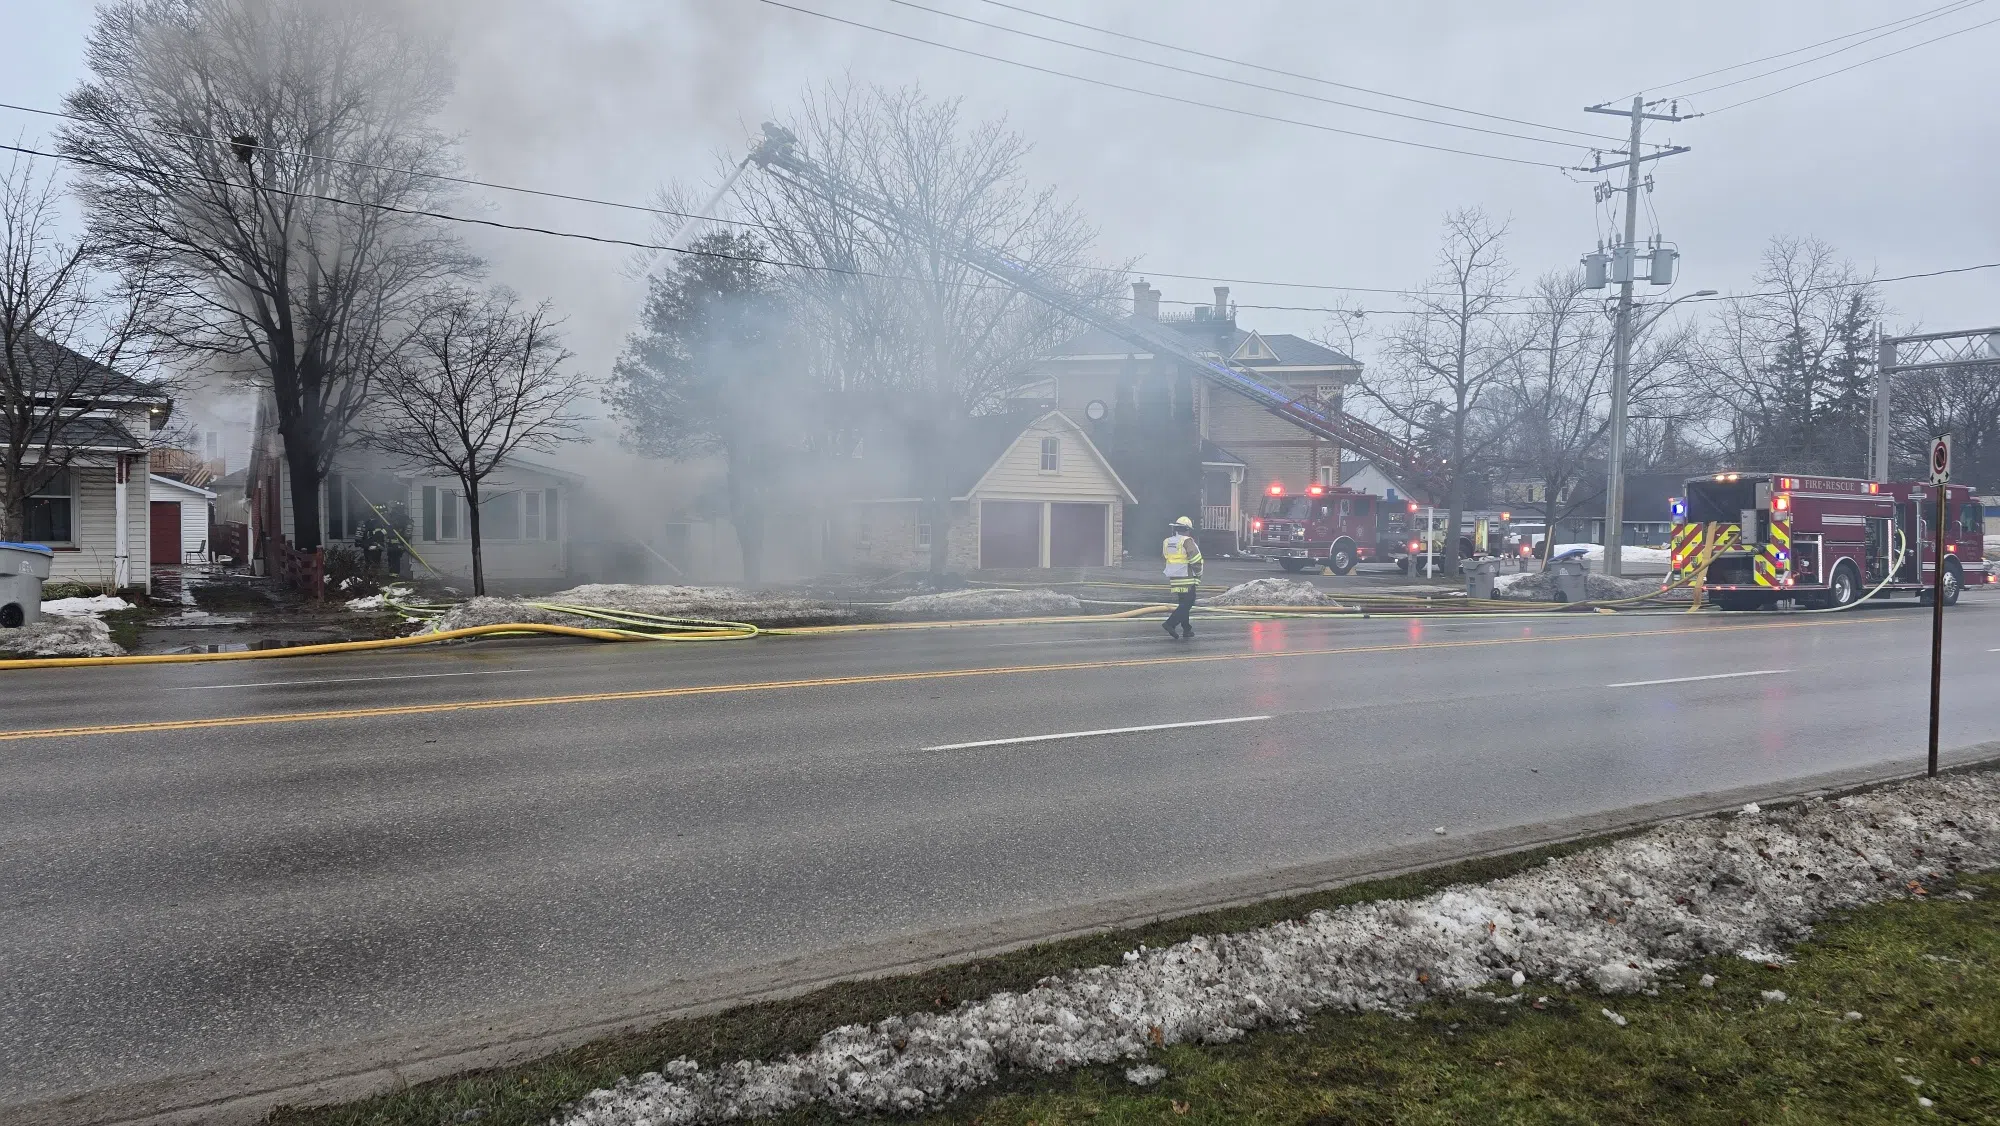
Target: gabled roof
[(1066, 423), (72, 375), (98, 435), (1285, 349)]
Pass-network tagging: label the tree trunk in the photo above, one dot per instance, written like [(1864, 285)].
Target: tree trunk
[(746, 511), (472, 531), (306, 482)]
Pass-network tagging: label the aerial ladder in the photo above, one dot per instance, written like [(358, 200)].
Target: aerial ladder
[(778, 154)]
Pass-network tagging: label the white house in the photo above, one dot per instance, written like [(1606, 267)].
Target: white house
[(93, 510)]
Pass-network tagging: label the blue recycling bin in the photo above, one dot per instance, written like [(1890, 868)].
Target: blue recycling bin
[(23, 568)]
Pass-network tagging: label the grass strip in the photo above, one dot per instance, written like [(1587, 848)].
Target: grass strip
[(529, 1094), (1920, 972)]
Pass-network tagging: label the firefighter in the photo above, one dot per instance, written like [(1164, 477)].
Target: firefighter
[(1183, 554)]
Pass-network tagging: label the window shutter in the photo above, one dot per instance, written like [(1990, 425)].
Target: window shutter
[(430, 520)]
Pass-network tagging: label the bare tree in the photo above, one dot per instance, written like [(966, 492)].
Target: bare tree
[(1553, 404), (66, 328), (899, 321), (1963, 402), (1792, 367), (1448, 357), (265, 159), (479, 379)]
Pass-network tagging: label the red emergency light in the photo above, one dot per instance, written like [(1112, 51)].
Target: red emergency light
[(1781, 502), (1276, 489), (1413, 506), (1315, 490), (1873, 487), (1256, 525)]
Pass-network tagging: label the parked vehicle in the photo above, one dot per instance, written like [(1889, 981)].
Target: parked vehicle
[(1823, 541), (1324, 526)]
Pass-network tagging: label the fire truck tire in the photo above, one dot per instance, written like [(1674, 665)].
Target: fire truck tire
[(1843, 589), (1341, 559), (1292, 566)]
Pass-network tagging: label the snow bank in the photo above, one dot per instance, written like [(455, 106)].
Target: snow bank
[(376, 603), (713, 603), (1033, 603), (1615, 918), (1540, 586), (72, 635), (1273, 592), (95, 604)]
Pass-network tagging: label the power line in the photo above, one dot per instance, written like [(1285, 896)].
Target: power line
[(1956, 4), (1294, 74), (912, 4), (1156, 93), (1836, 51), (654, 210), (1851, 66)]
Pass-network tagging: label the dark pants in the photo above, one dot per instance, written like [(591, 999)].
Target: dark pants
[(1179, 618)]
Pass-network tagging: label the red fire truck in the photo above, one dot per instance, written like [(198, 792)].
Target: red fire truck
[(1325, 526), (1822, 541)]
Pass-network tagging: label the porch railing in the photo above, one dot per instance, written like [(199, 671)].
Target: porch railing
[(303, 571), (1216, 518)]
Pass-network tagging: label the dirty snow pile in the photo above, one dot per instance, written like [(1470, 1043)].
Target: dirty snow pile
[(1615, 917), (95, 604), (1540, 586), (378, 602), (61, 635), (1273, 592), (708, 602), (1032, 603)]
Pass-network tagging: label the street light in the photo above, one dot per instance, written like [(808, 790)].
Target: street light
[(1614, 497)]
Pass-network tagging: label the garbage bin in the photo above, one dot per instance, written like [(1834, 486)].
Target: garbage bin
[(1479, 575), (1570, 569), (23, 566)]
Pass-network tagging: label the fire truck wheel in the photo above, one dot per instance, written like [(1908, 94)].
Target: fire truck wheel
[(1843, 590), (1292, 566), (1342, 559), (1954, 581)]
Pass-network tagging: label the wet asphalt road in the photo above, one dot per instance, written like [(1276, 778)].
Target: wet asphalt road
[(189, 894)]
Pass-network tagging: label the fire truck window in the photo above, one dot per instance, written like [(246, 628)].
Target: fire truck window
[(1321, 509), (1346, 509), (1719, 502), (1971, 521), (1285, 508)]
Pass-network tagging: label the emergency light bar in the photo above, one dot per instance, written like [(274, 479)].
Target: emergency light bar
[(1315, 490), (1276, 489)]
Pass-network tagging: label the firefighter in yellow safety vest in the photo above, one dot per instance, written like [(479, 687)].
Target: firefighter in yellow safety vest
[(1183, 555)]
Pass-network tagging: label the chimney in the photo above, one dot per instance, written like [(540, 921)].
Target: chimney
[(1145, 301), (1221, 302)]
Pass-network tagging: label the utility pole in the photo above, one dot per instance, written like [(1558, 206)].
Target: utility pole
[(1624, 269)]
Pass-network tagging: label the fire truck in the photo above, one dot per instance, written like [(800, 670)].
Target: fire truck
[(1761, 538), (1325, 526)]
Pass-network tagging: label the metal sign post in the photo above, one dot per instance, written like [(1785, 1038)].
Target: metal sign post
[(1940, 479)]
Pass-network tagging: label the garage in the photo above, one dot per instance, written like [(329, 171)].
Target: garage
[(1078, 534), (1010, 533), (177, 521)]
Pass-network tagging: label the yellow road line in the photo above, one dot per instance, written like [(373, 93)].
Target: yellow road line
[(838, 681)]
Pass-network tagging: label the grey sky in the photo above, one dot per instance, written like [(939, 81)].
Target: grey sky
[(610, 98)]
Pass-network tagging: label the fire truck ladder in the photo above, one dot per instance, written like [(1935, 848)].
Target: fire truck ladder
[(778, 154)]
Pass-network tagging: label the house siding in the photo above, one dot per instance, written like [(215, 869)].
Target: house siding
[(92, 558), (884, 534), (1079, 476), (1273, 449)]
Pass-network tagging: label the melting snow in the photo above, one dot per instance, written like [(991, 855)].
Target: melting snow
[(1615, 917), (1274, 592), (95, 604), (710, 603), (77, 635), (985, 603)]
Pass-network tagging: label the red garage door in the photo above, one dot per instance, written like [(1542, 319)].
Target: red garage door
[(166, 531), (1010, 533), (1077, 534)]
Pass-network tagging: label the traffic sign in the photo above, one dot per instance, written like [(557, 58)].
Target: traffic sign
[(1941, 459)]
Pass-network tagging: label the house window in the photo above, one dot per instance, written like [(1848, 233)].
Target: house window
[(500, 517), (531, 513), (448, 524), (1051, 455), (923, 531), (429, 527), (551, 530), (48, 511), (336, 508), (212, 442)]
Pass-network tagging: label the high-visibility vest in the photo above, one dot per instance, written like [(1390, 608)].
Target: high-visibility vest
[(1183, 555)]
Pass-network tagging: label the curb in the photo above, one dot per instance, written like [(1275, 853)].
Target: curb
[(245, 1093)]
